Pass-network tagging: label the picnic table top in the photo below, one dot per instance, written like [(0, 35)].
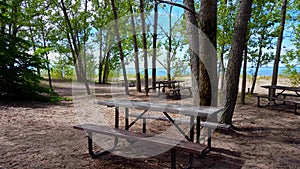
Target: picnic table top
[(169, 82), (288, 88), (189, 110)]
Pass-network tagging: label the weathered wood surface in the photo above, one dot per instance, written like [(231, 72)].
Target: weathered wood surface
[(183, 145), (285, 88), (189, 110), (183, 120)]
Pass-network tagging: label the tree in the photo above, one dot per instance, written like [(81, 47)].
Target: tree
[(154, 52), (120, 45), (208, 64), (73, 36), (244, 80), (226, 17), (262, 32), (202, 77), (235, 59), (279, 43), (144, 37), (18, 76), (172, 41), (193, 36)]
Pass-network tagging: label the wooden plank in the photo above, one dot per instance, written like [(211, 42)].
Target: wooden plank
[(288, 88), (183, 145), (190, 110), (288, 94), (184, 121)]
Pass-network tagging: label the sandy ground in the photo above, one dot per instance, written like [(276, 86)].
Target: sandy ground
[(40, 135)]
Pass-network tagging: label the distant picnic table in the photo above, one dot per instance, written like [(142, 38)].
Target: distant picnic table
[(173, 85), (285, 94)]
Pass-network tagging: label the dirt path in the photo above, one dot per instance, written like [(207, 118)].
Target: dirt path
[(40, 135)]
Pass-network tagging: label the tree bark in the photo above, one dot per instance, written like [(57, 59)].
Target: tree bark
[(144, 45), (85, 36), (154, 52), (244, 81), (106, 67), (193, 36), (100, 55), (169, 46), (222, 66), (136, 53), (279, 44), (235, 59), (120, 46), (257, 65), (208, 55)]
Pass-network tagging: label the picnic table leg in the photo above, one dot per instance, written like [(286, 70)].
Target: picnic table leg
[(258, 101), (178, 127), (100, 153), (192, 127), (296, 107), (126, 118), (117, 117), (198, 129), (173, 159)]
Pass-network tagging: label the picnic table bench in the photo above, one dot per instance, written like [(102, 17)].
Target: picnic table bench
[(176, 91), (189, 145), (132, 137)]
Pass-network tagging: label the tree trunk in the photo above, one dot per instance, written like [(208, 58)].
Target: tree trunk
[(45, 45), (257, 65), (85, 40), (106, 57), (235, 59), (222, 67), (34, 48), (193, 38), (244, 81), (73, 57), (120, 46), (144, 45), (279, 43), (154, 44), (100, 55), (106, 67), (136, 53), (169, 45), (208, 55)]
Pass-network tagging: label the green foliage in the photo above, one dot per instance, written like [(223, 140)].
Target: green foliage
[(263, 30), (62, 68), (18, 76), (291, 59), (226, 18)]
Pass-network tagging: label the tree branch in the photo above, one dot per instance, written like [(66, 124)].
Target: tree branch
[(178, 5)]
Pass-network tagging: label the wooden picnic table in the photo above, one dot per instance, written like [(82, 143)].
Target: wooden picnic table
[(191, 144), (173, 85), (284, 91)]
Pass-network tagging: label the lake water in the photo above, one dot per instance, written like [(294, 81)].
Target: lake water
[(262, 71)]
